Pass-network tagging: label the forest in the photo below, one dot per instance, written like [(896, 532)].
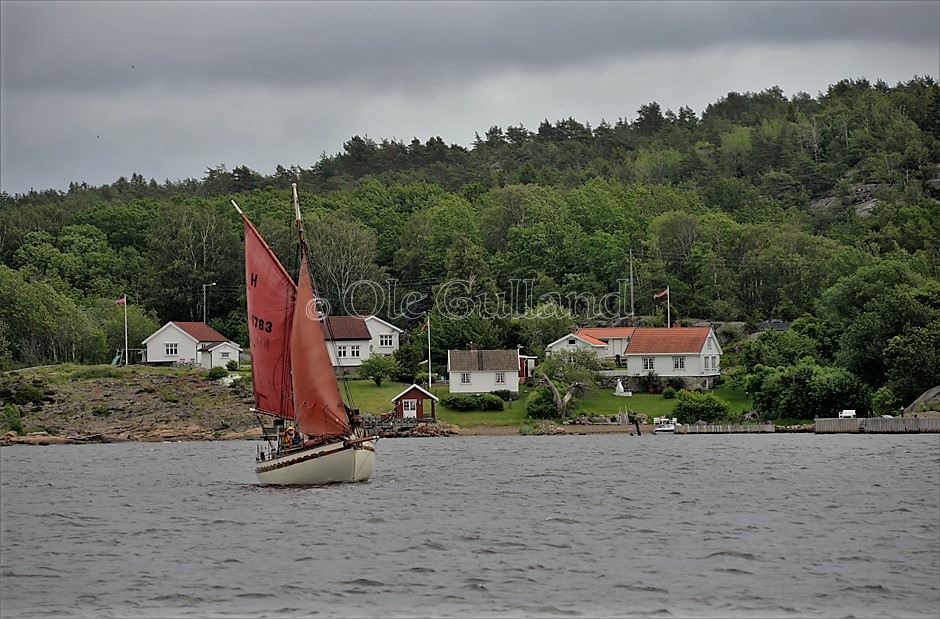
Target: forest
[(819, 210)]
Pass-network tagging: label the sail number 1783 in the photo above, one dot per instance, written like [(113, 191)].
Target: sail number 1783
[(261, 323)]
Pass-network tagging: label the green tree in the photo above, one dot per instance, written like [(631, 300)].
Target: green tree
[(379, 367), (913, 361), (576, 372)]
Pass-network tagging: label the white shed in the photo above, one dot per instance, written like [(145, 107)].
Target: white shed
[(189, 343)]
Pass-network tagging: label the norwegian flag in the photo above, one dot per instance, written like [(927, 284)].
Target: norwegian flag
[(121, 301)]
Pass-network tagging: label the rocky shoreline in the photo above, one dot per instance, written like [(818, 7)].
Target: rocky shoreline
[(195, 433), (102, 404)]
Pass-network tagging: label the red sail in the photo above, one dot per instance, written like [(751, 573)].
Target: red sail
[(318, 405), (271, 295)]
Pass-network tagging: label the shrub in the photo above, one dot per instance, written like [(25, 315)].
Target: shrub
[(669, 392), (690, 407), (232, 365), (472, 402), (675, 382), (12, 419), (216, 373), (503, 394), (650, 382), (28, 394), (541, 405)]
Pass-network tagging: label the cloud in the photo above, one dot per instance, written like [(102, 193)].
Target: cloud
[(173, 88)]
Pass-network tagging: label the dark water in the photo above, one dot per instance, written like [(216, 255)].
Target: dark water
[(581, 526)]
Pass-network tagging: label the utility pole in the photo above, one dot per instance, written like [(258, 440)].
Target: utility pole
[(204, 286), (632, 312)]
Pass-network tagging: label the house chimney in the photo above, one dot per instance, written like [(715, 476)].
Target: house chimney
[(473, 345)]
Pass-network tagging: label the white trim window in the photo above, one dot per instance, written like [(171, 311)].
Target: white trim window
[(172, 349), (385, 341), (409, 409), (715, 362), (465, 378), (500, 378), (678, 363), (649, 364), (340, 352), (708, 362), (224, 355), (354, 351)]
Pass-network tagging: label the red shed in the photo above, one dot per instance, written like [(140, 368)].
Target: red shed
[(410, 403)]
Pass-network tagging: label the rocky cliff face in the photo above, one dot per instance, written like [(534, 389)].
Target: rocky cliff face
[(110, 404)]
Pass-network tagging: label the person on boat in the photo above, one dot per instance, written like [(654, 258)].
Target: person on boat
[(297, 439), (287, 439)]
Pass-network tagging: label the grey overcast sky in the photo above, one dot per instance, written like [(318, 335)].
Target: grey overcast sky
[(91, 91)]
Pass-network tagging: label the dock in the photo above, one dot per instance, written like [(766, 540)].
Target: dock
[(879, 425)]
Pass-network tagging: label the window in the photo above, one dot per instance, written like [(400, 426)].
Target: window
[(340, 352), (571, 341), (715, 362), (385, 341), (409, 409), (648, 363), (465, 379), (224, 355), (172, 350), (500, 378), (678, 363), (354, 351)]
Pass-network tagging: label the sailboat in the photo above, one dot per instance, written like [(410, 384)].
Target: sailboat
[(292, 377)]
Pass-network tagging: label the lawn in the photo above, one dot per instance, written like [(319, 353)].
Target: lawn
[(604, 402), (377, 400)]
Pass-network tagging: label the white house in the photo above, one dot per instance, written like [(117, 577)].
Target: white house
[(483, 371), (386, 337), (692, 353), (189, 343), (353, 339)]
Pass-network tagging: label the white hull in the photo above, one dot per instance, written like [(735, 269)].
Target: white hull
[(324, 464)]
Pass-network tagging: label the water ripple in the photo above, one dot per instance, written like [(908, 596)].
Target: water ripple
[(581, 526)]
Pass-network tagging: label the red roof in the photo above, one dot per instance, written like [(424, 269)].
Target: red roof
[(668, 340), (201, 331), (345, 328)]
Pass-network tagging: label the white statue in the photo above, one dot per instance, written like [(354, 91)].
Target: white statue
[(619, 386)]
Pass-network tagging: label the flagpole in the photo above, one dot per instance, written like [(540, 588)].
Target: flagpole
[(668, 308), (429, 352), (125, 331)]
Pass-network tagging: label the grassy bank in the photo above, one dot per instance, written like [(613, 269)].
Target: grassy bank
[(377, 400)]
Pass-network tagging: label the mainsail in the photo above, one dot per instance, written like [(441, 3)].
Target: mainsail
[(318, 405), (271, 296)]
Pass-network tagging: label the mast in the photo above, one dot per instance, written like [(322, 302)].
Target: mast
[(297, 218)]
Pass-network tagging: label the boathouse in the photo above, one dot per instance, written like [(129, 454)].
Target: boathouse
[(409, 404)]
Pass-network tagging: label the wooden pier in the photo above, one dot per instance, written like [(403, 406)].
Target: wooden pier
[(879, 425)]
